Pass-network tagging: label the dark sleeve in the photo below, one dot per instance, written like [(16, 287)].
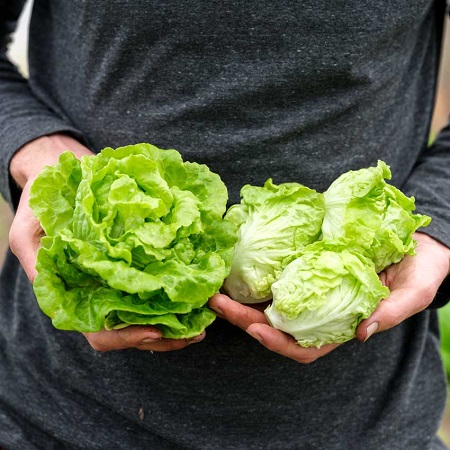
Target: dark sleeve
[(429, 183), (22, 116)]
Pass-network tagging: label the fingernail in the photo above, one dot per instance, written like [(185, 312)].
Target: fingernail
[(255, 336), (217, 310), (371, 329)]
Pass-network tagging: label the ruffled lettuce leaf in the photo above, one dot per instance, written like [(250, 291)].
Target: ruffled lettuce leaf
[(394, 238), (354, 205), (139, 239), (59, 183), (274, 223), (323, 295), (362, 207)]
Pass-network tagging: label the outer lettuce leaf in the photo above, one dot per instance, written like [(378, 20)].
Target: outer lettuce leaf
[(323, 295), (172, 325), (354, 205), (139, 239), (394, 239), (360, 206), (60, 185), (275, 222)]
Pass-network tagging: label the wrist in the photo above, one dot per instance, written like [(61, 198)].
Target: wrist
[(30, 159), (441, 251)]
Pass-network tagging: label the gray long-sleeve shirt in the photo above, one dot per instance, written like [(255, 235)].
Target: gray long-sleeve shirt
[(296, 91)]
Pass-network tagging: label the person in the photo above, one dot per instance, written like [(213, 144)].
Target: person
[(293, 91)]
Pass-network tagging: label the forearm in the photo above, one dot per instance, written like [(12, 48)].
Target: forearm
[(23, 118), (429, 183)]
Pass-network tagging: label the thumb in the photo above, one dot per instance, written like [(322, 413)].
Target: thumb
[(24, 236), (401, 304)]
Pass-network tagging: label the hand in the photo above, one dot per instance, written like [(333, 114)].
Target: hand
[(252, 320), (413, 282), (26, 232), (140, 337)]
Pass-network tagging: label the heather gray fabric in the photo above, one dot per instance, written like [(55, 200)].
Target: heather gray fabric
[(297, 91)]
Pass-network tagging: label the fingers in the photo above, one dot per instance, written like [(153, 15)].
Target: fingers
[(285, 345), (401, 304), (413, 283), (140, 337), (252, 320), (27, 162), (236, 313), (24, 236)]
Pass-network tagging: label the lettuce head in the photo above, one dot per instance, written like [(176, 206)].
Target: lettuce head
[(362, 207), (133, 235), (274, 223), (323, 295)]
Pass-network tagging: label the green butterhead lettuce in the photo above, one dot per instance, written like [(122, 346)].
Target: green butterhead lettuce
[(133, 236), (318, 255), (323, 295), (274, 223), (360, 206)]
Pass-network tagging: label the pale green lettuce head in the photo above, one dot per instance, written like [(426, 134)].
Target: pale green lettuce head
[(275, 222), (133, 236), (362, 208), (318, 255), (323, 295)]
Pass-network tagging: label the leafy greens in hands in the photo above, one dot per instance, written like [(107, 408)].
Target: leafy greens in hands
[(133, 236), (318, 255)]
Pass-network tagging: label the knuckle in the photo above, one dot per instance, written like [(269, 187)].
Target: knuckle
[(14, 239), (97, 346), (129, 337), (124, 334), (395, 319), (390, 314), (308, 360), (427, 295)]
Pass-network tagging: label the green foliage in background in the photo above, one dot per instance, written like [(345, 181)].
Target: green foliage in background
[(444, 321)]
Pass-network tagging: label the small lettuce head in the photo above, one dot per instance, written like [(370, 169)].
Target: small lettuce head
[(362, 208), (133, 236), (323, 295), (274, 223)]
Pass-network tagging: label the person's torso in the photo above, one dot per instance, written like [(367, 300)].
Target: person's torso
[(293, 90)]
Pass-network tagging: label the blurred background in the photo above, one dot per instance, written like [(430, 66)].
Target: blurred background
[(18, 51)]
